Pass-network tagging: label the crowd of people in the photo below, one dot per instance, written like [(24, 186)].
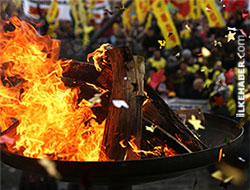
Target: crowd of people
[(203, 67)]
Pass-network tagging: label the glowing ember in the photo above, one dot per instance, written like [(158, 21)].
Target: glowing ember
[(51, 123), (220, 154), (158, 150)]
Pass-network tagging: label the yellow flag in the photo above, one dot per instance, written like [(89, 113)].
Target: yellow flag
[(79, 15), (165, 23), (92, 4), (126, 19), (51, 17), (149, 21), (18, 3), (52, 12), (82, 13), (74, 12), (195, 12), (142, 8), (87, 30), (212, 13), (52, 27)]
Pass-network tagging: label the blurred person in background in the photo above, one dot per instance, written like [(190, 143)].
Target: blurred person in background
[(196, 90), (150, 43), (185, 33), (121, 36), (219, 96), (204, 30), (135, 36), (156, 61), (43, 23), (192, 65), (108, 35), (195, 42)]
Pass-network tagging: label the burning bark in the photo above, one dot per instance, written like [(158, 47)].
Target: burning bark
[(85, 71), (124, 123)]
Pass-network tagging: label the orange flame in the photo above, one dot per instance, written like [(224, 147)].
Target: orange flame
[(51, 123), (147, 100), (99, 56), (158, 150), (220, 154), (102, 91)]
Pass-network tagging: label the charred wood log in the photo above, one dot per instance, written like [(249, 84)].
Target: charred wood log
[(87, 91), (11, 131), (156, 111), (122, 124), (87, 72)]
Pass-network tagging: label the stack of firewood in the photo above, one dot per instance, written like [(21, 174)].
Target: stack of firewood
[(122, 79)]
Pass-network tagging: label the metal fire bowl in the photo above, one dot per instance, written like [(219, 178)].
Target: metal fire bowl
[(145, 170)]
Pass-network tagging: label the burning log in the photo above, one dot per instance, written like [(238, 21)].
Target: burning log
[(87, 91), (155, 110), (123, 124), (11, 131), (86, 72)]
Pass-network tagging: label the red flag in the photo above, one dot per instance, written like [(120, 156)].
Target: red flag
[(232, 5), (157, 78), (183, 6)]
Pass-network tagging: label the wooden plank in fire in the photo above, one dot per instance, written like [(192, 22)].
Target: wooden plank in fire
[(124, 123)]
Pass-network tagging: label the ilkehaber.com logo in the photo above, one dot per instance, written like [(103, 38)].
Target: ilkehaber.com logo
[(241, 77)]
